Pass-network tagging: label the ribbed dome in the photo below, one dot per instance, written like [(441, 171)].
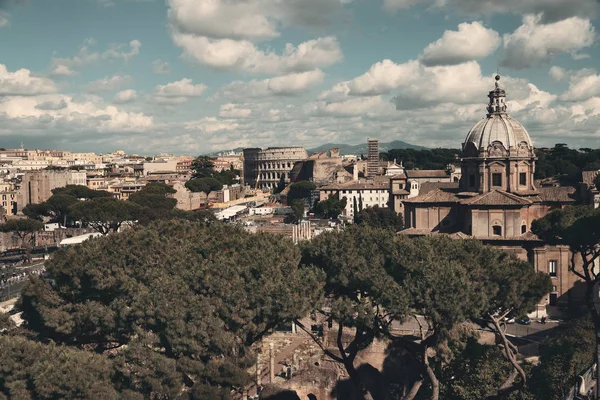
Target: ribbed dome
[(498, 134), (498, 128)]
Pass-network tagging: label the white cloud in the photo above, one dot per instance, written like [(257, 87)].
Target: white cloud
[(253, 20), (4, 19), (160, 67), (223, 34), (62, 70), (233, 111), (395, 5), (67, 66), (23, 83), (583, 85), (108, 84), (68, 115), (472, 41), (177, 92), (285, 85), (383, 77), (551, 10), (244, 56), (557, 74), (535, 42), (125, 96)]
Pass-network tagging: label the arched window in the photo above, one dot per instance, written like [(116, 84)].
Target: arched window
[(523, 229)]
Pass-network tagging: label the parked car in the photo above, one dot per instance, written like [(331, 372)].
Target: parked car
[(510, 320), (524, 320)]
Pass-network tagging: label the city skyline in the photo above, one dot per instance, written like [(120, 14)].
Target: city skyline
[(198, 76)]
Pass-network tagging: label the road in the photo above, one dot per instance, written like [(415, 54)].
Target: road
[(13, 277), (534, 332)]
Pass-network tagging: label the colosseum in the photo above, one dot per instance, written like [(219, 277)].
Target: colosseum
[(264, 168)]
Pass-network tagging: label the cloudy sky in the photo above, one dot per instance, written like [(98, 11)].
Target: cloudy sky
[(195, 76)]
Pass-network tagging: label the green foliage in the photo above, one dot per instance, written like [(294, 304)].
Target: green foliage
[(105, 214), (578, 227), (182, 302), (298, 211), (81, 192), (154, 201), (380, 217), (331, 208), (300, 190), (25, 229), (560, 161), (33, 370), (58, 206), (374, 276), (205, 185), (564, 356), (423, 159), (202, 167), (35, 211), (474, 372)]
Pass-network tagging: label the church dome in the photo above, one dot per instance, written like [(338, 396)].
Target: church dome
[(498, 134)]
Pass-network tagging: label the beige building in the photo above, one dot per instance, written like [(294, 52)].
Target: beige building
[(497, 199), (36, 187), (187, 200), (264, 168), (322, 168)]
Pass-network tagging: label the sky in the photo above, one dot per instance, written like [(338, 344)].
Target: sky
[(198, 76)]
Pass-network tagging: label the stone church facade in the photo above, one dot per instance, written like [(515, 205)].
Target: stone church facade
[(497, 199)]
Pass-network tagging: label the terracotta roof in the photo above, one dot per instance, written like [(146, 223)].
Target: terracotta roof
[(497, 197), (398, 176), (435, 196), (400, 191), (529, 237), (558, 194), (427, 187), (588, 177), (358, 185), (416, 232), (426, 173)]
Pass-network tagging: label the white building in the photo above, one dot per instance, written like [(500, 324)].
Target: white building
[(364, 193)]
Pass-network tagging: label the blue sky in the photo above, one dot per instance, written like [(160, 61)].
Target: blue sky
[(195, 76)]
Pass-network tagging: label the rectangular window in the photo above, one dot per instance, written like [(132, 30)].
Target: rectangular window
[(497, 230), (523, 179), (496, 179), (472, 180), (552, 267)]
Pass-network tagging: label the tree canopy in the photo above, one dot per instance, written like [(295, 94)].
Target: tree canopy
[(105, 214), (300, 190), (25, 229), (203, 167), (374, 278), (176, 305), (58, 206), (154, 201), (331, 208), (380, 217), (205, 185)]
